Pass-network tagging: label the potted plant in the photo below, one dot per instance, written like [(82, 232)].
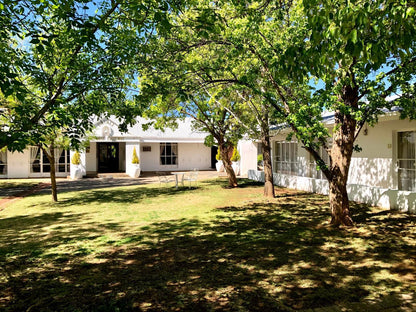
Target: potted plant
[(219, 165), (235, 158), (134, 171), (76, 173)]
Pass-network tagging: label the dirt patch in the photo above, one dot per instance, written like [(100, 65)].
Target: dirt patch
[(9, 199)]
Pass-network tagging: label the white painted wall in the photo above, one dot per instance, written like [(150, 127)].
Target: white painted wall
[(91, 158), (18, 164), (373, 173), (375, 196), (248, 153), (190, 156)]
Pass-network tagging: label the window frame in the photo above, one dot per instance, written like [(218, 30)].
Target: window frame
[(285, 158), (43, 162), (407, 183), (168, 159), (313, 172), (4, 166)]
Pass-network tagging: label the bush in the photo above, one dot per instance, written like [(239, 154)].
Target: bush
[(259, 159), (135, 159), (218, 156), (76, 158), (236, 155)]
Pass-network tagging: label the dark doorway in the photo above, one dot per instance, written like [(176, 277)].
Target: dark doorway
[(214, 151), (108, 158)]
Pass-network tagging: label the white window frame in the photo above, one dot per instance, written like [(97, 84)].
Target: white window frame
[(408, 182), (3, 171), (313, 171), (174, 158), (41, 171), (285, 157)]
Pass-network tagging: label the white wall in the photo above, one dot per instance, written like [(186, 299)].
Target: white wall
[(374, 196), (373, 174), (190, 155), (248, 153), (18, 164), (375, 165), (91, 158)]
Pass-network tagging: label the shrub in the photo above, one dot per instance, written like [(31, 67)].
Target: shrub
[(236, 155), (259, 158), (218, 156), (76, 158), (135, 159)]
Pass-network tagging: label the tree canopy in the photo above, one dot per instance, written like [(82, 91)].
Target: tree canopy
[(361, 54)]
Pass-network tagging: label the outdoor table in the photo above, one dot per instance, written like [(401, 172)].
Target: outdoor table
[(177, 174)]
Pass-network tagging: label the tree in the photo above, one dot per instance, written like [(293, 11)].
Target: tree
[(362, 51), (63, 65), (71, 61), (51, 145), (207, 112)]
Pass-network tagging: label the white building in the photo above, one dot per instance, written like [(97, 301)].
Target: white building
[(112, 151), (382, 174)]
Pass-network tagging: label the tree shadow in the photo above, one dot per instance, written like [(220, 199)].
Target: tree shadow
[(267, 256)]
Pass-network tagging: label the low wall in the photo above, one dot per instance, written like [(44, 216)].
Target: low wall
[(374, 196)]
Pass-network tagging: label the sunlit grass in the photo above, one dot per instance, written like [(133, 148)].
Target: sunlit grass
[(201, 249)]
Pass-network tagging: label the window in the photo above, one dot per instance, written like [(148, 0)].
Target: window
[(39, 162), (313, 171), (286, 157), (3, 163), (168, 154), (406, 160)]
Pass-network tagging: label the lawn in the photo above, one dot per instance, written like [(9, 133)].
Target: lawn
[(145, 248)]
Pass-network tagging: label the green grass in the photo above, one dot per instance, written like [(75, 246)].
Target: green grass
[(147, 248)]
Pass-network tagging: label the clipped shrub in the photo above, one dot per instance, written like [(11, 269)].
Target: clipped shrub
[(259, 158), (135, 159), (76, 158), (236, 155), (218, 156)]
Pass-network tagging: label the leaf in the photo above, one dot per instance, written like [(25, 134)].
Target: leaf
[(354, 38)]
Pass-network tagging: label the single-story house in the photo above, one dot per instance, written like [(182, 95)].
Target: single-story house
[(382, 174), (111, 151)]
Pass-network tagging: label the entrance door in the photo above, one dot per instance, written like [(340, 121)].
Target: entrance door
[(406, 159), (108, 158)]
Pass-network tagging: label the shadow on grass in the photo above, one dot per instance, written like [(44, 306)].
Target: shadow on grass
[(120, 196), (271, 256)]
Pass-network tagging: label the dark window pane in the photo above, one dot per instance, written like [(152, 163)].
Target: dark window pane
[(46, 168)]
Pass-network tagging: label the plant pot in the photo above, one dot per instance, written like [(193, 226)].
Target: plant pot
[(236, 167), (77, 172), (134, 171), (220, 166)]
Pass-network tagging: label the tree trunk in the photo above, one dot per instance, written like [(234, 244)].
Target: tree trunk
[(267, 163), (51, 157), (341, 153), (225, 155)]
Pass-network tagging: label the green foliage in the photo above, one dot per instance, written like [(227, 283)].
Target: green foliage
[(76, 158), (135, 158), (236, 155), (69, 63), (259, 158)]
